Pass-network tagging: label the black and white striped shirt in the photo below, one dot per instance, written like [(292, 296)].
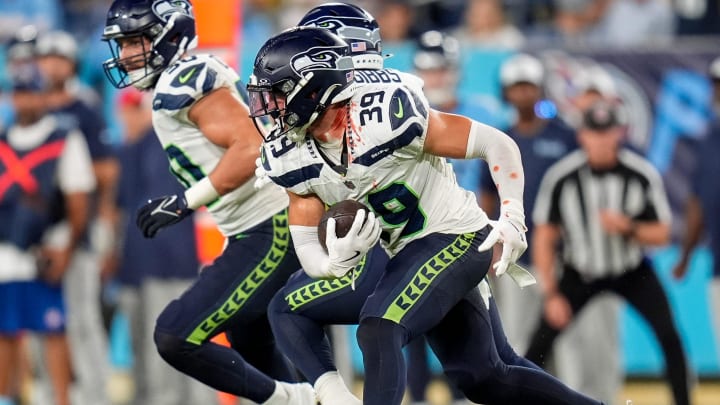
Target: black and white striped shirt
[(572, 195)]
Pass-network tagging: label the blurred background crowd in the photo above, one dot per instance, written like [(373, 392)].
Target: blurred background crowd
[(529, 67)]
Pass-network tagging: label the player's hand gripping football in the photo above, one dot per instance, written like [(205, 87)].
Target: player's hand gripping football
[(510, 230), (346, 252), (161, 212)]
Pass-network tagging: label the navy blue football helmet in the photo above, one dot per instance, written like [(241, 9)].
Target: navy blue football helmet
[(169, 26), (354, 25), (436, 50), (297, 75)]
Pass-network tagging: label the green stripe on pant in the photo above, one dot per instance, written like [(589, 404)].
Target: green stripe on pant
[(250, 284)]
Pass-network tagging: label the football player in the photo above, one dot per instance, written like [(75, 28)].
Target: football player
[(203, 124), (304, 306), (380, 144)]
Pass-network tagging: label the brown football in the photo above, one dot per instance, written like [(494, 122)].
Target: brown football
[(344, 214)]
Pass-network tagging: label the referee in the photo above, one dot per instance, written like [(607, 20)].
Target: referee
[(603, 204)]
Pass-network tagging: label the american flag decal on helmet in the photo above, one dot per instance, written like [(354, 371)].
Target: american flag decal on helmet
[(358, 47)]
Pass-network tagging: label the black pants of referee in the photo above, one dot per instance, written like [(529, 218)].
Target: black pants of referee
[(641, 288)]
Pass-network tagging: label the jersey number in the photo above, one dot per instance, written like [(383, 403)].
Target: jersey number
[(366, 102), (398, 205), (182, 167)]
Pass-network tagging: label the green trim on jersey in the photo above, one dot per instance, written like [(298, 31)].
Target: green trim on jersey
[(425, 276), (250, 284), (184, 169), (310, 292)]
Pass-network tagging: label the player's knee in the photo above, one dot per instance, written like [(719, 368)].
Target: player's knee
[(172, 347), (376, 333)]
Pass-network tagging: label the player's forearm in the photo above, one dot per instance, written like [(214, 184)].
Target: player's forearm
[(313, 259), (235, 168), (503, 157)]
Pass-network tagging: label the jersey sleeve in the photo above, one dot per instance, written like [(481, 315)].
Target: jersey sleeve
[(285, 164), (75, 171), (188, 81)]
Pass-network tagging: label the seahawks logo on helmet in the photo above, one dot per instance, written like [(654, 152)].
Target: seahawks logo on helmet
[(165, 8), (348, 28), (319, 58)]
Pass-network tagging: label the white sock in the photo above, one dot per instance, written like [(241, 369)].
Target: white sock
[(331, 390), (279, 396), (291, 394)]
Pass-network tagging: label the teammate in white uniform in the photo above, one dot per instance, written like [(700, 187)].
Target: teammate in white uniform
[(203, 125), (381, 145)]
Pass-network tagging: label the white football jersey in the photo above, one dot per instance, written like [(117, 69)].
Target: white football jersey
[(413, 193), (192, 156)]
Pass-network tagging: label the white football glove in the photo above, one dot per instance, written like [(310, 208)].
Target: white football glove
[(346, 252), (510, 230), (261, 177)]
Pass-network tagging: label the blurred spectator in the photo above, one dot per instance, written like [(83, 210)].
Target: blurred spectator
[(485, 27), (20, 51), (45, 177), (591, 372), (702, 212), (437, 61), (438, 15), (591, 84), (57, 54), (637, 22), (524, 14), (574, 22), (396, 18), (152, 272), (697, 17), (603, 204), (82, 16), (543, 139)]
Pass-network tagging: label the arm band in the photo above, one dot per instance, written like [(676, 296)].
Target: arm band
[(201, 193), (503, 158), (313, 259)]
